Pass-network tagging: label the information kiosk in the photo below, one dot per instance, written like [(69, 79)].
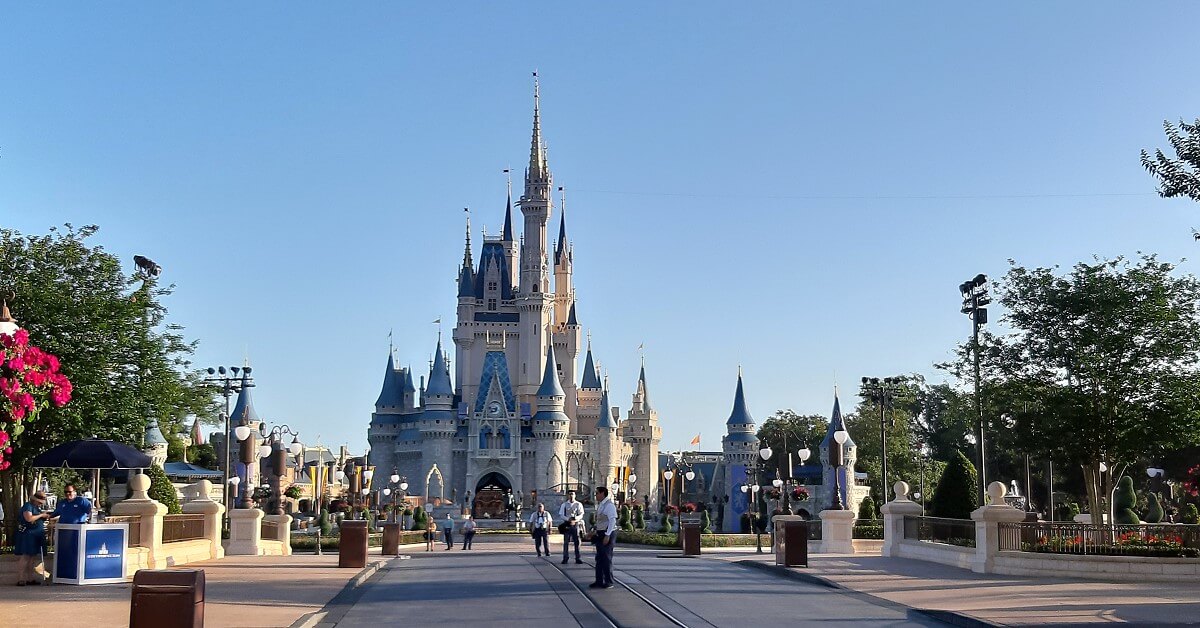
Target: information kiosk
[(90, 553)]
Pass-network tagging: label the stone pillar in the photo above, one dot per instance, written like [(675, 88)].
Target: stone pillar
[(987, 528), (837, 531), (212, 511), (151, 512), (245, 532), (283, 528), (894, 513)]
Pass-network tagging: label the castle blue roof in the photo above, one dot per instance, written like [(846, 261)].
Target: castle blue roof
[(606, 417), (591, 379), (571, 318), (561, 248), (244, 406), (495, 365), (508, 228), (493, 255), (466, 282), (409, 386), (645, 389), (439, 375), (741, 437), (836, 423), (740, 415), (550, 385), (154, 436), (390, 395)]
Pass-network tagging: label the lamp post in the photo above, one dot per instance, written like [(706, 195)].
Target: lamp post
[(836, 460), (753, 490), (804, 454), (922, 451), (975, 299), (882, 392), (677, 464), (249, 454), (396, 484), (228, 382), (273, 449)]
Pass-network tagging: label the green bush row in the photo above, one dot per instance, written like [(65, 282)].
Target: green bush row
[(660, 539)]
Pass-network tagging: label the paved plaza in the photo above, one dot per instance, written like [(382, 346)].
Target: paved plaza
[(503, 583)]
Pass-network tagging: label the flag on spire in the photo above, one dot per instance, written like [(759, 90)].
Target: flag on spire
[(696, 441)]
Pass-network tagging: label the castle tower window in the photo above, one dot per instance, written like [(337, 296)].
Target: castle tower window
[(492, 286), (491, 305)]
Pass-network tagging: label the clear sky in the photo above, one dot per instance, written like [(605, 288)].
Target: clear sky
[(796, 188)]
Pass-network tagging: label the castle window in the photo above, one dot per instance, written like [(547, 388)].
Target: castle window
[(491, 305), (491, 285)]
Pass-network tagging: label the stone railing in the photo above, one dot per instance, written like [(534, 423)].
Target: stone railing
[(1003, 543)]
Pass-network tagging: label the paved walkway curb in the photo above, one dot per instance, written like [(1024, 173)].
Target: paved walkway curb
[(336, 608), (953, 618)]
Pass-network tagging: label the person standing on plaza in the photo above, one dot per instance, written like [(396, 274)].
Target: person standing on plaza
[(31, 538), (448, 531), (468, 530), (604, 535), (571, 513), (73, 508), (539, 525), (430, 532)]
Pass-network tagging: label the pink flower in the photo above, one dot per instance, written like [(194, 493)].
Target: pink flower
[(37, 379), (61, 396), (3, 437), (16, 363), (21, 337), (18, 412), (52, 364)]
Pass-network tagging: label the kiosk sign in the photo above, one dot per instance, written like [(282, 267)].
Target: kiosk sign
[(104, 555), (90, 553)]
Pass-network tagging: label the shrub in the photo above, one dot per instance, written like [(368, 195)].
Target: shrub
[(868, 532), (323, 522), (639, 519), (162, 491), (664, 525), (419, 519), (624, 520), (956, 493), (705, 523), (866, 509), (1154, 511), (1123, 500), (1190, 514)]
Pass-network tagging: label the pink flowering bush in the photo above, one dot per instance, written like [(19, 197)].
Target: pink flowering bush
[(29, 382)]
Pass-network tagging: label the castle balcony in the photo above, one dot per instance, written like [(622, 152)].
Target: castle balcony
[(494, 454)]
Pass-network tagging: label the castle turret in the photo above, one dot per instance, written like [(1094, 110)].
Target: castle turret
[(587, 413), (243, 413), (155, 444), (551, 426), (641, 430), (535, 300), (438, 425), (606, 443), (849, 456), (740, 446)]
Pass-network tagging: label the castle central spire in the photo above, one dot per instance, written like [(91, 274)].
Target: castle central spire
[(537, 151)]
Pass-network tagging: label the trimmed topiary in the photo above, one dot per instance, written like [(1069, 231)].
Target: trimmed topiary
[(1124, 499), (162, 491), (639, 520), (419, 519), (664, 525), (866, 509), (1154, 511), (957, 490), (1190, 514), (624, 520), (323, 522), (705, 522)]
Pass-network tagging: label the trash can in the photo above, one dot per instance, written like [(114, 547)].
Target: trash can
[(391, 539), (352, 544), (791, 542), (159, 594), (691, 538)]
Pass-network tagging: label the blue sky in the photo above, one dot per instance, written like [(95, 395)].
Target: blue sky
[(795, 188)]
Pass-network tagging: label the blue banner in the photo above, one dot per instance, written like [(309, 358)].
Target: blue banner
[(104, 554)]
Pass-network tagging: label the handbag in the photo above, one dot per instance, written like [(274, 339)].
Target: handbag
[(564, 526)]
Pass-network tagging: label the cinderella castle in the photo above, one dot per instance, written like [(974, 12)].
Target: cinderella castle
[(518, 416)]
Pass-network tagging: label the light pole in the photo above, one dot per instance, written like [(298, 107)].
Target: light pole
[(228, 382), (922, 451), (273, 448), (975, 299), (836, 460), (882, 393), (249, 454), (804, 454), (753, 491), (401, 486)]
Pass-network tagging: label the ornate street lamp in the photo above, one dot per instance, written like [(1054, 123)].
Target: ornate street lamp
[(837, 460)]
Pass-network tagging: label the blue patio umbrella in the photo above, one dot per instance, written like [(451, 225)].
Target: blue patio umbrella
[(93, 454)]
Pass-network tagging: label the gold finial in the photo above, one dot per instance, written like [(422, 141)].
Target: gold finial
[(5, 315)]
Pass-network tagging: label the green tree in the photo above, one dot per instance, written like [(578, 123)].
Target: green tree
[(1099, 368), (176, 449), (162, 491), (899, 420), (956, 494), (1180, 175), (787, 432), (866, 509), (111, 334), (1154, 511), (203, 456), (1124, 499)]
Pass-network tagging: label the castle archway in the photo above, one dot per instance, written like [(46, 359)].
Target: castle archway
[(490, 494)]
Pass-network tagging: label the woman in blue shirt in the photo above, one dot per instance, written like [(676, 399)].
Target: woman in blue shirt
[(31, 538)]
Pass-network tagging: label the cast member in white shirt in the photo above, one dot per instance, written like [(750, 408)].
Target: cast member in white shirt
[(571, 512)]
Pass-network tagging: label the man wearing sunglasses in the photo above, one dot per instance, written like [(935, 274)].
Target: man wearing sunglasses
[(73, 508)]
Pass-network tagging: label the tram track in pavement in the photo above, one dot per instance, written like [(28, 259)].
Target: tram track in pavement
[(628, 607)]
